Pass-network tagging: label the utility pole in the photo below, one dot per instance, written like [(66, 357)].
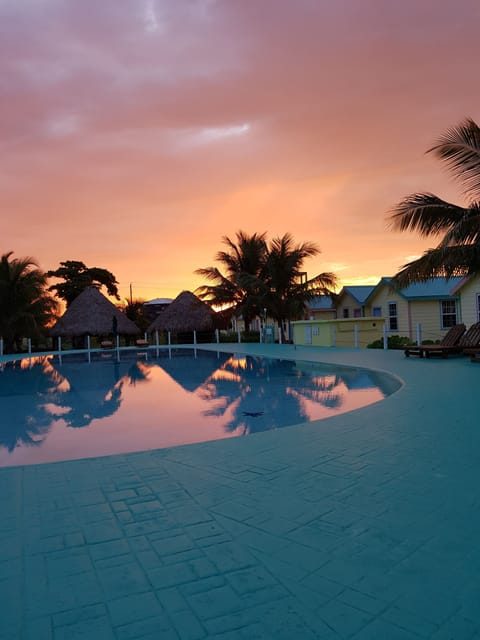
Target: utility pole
[(131, 296)]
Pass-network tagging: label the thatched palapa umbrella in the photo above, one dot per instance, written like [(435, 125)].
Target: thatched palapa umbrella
[(185, 313), (91, 313)]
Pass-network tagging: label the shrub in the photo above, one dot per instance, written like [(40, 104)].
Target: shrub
[(394, 342)]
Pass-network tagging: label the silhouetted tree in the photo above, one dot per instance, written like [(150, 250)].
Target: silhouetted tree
[(458, 252), (77, 276), (135, 311), (242, 286), (25, 306), (287, 291)]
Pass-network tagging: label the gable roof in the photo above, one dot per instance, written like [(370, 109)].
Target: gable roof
[(320, 303), (433, 289), (359, 293)]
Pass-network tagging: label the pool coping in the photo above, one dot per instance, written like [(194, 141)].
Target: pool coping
[(364, 528)]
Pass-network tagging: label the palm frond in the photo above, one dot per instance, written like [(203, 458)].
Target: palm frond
[(427, 214), (459, 147), (467, 231), (446, 261)]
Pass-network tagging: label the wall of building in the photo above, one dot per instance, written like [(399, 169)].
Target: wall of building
[(428, 314), (338, 332), (322, 314), (382, 297), (469, 301), (348, 302)]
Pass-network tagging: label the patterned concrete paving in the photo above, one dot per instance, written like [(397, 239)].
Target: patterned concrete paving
[(363, 526)]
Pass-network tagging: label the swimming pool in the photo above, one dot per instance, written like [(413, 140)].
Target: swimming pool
[(85, 405)]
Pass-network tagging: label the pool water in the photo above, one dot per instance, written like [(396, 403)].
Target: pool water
[(87, 405)]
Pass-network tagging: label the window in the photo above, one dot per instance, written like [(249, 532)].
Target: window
[(357, 313), (377, 312), (346, 313), (448, 309), (392, 316)]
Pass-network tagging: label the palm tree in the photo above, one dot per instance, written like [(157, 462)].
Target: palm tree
[(135, 311), (458, 252), (25, 307), (242, 286), (288, 290)]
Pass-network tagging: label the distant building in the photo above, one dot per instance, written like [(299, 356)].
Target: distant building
[(320, 307), (155, 306)]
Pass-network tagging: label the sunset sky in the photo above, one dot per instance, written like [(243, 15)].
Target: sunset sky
[(136, 133)]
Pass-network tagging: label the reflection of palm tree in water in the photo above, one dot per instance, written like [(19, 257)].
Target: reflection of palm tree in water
[(35, 394), (97, 393), (319, 389), (262, 393), (25, 390)]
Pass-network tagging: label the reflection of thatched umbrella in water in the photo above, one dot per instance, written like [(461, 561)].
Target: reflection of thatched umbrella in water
[(91, 313), (24, 393), (188, 370), (94, 390), (185, 314)]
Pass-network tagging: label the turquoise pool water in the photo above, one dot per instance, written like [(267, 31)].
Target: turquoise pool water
[(115, 402)]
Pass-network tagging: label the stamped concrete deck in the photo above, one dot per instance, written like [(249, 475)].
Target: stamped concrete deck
[(364, 526)]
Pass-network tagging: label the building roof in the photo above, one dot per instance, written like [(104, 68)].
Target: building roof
[(360, 293), (321, 303), (91, 313), (159, 301), (185, 313), (431, 289)]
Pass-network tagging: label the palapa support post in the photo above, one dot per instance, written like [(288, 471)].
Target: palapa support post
[(419, 334), (1, 346), (217, 336), (385, 336), (157, 342), (29, 345), (355, 336), (238, 336)]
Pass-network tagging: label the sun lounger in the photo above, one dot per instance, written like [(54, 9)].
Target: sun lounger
[(141, 343), (472, 348), (449, 344)]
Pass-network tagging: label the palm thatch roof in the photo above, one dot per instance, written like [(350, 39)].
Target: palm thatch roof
[(185, 313), (91, 313)]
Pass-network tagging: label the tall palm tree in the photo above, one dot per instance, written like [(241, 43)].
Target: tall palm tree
[(25, 306), (458, 252), (241, 285), (287, 289)]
